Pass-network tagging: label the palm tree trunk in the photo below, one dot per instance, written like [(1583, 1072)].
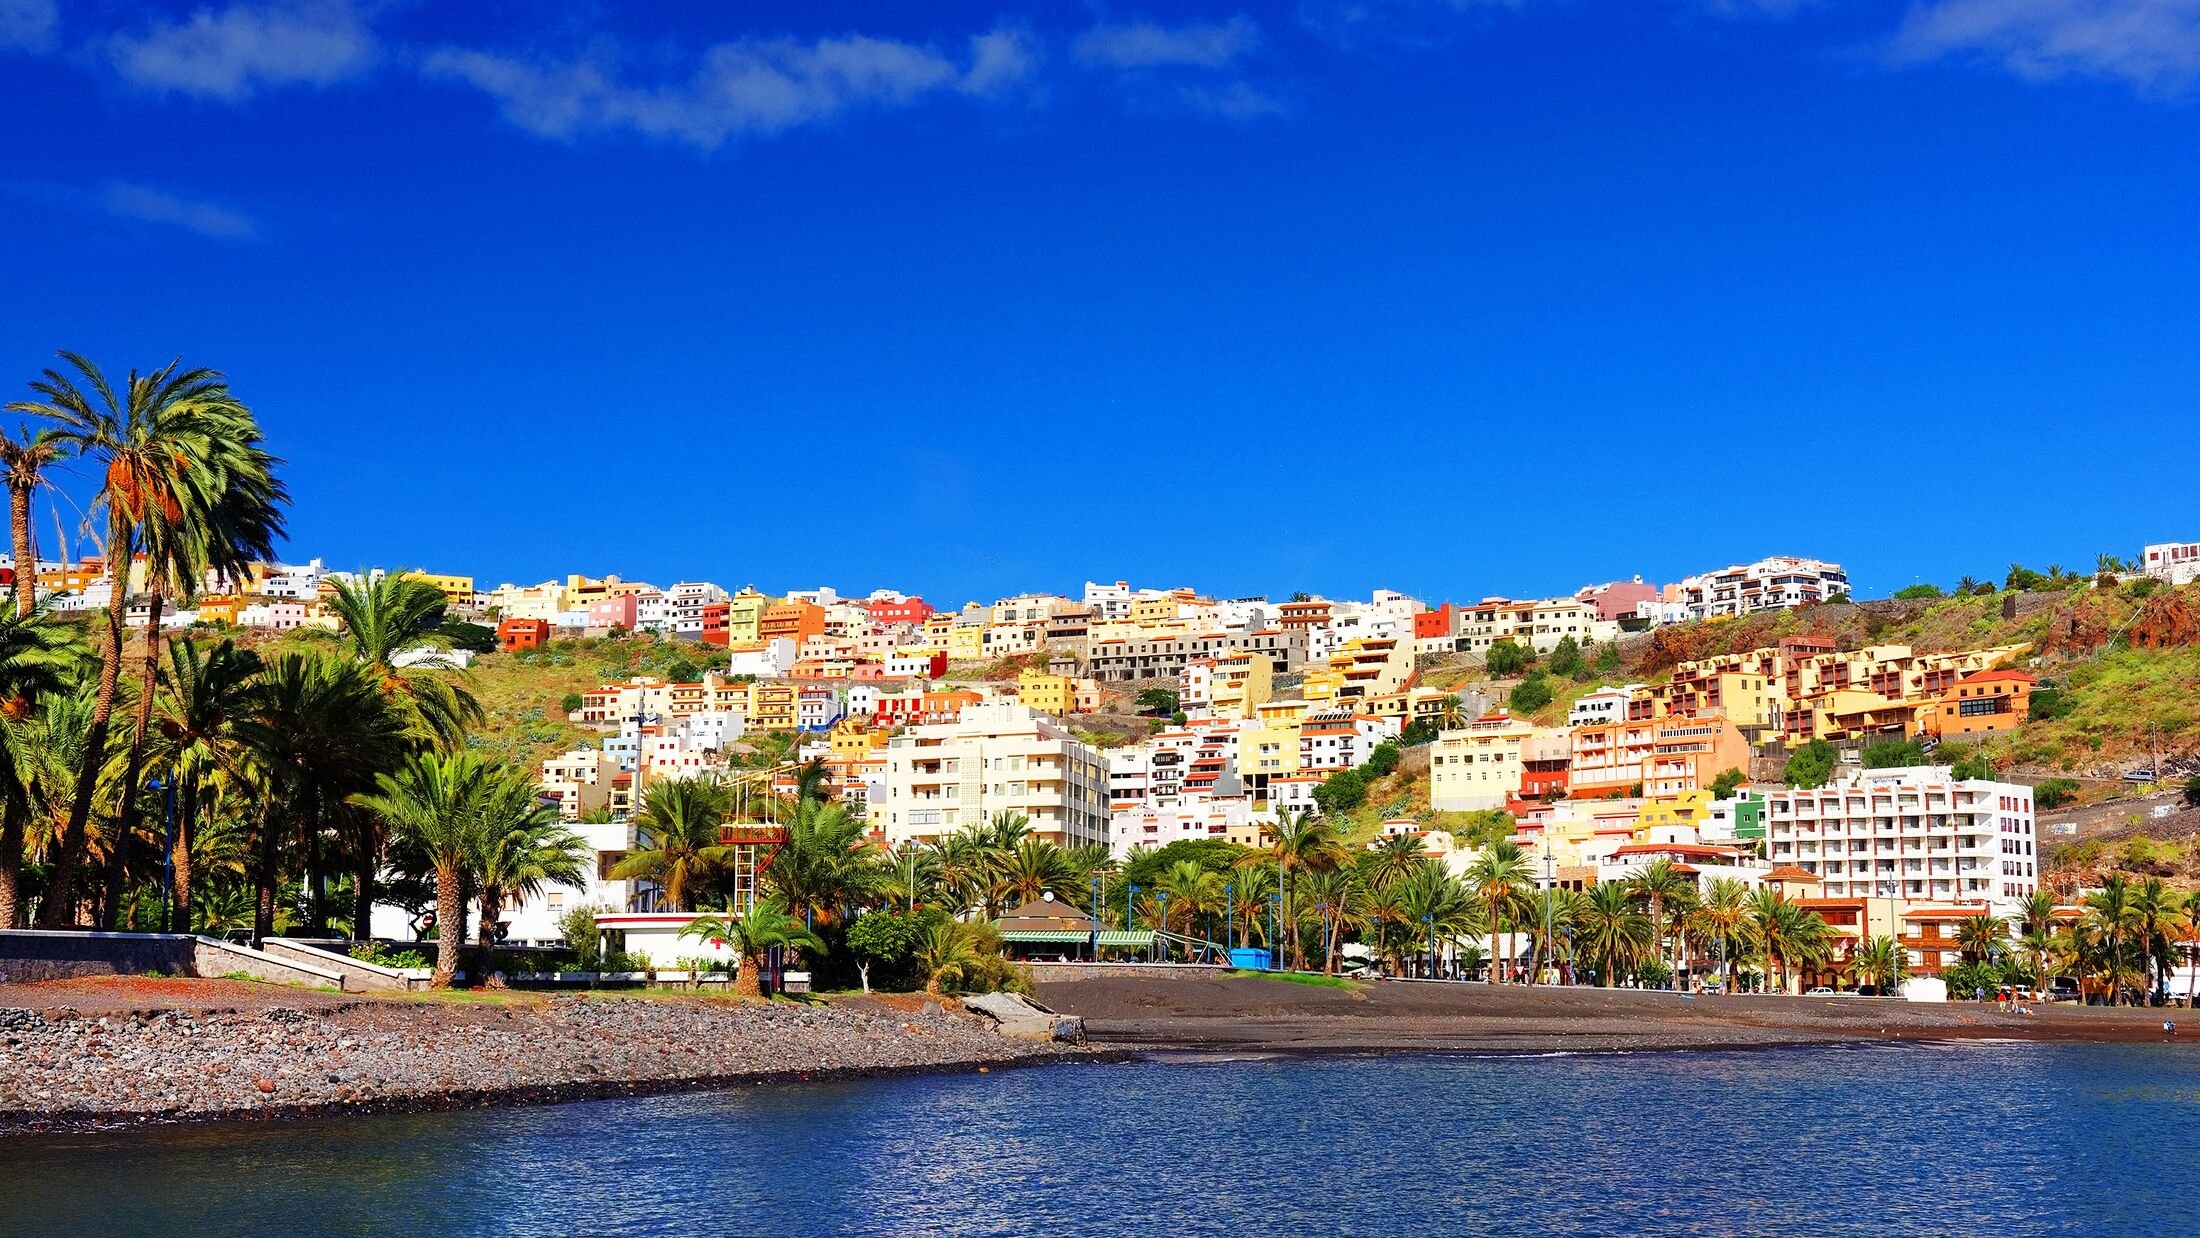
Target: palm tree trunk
[(127, 814), (59, 909), (450, 927), (1497, 973), (11, 861), (179, 893), (263, 880), (26, 561)]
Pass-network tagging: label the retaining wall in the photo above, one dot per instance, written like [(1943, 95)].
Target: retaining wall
[(220, 958), (358, 974), (67, 954)]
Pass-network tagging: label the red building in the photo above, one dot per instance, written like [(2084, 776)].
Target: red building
[(717, 623), (911, 610), (514, 635)]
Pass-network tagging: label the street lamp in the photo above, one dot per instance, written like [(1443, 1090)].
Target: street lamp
[(1550, 889), (1229, 916), (1096, 918), (1275, 909), (1162, 950), (1431, 922)]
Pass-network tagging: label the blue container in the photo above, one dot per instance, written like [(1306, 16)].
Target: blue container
[(1250, 958)]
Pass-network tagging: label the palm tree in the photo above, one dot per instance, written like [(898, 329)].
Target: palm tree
[(766, 927), (828, 865), (1303, 843), (160, 445), (1393, 857), (433, 804), (1981, 937), (1331, 894), (1496, 877), (1967, 585), (1033, 868), (1436, 904), (23, 462), (2156, 919), (392, 615), (319, 732), (1723, 917), (1550, 913), (2191, 909), (37, 657), (947, 954), (523, 849), (1451, 713), (1610, 932), (221, 531), (678, 826), (1661, 882), (2110, 913), (1883, 959), (197, 740), (1193, 892), (1790, 935)]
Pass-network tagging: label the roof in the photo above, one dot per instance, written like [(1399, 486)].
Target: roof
[(1997, 676), (1108, 937), (1943, 913), (1789, 872), (1694, 849)]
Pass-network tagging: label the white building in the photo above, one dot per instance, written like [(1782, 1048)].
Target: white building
[(1915, 833), (1775, 583), (1601, 707), (999, 757), (1231, 818), (2176, 563), (770, 659)]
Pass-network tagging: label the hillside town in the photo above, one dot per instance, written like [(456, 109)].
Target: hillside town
[(924, 722)]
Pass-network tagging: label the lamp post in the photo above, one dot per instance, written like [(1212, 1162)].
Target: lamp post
[(1130, 909), (1430, 921), (1550, 888), (1096, 918), (1162, 949), (1275, 908)]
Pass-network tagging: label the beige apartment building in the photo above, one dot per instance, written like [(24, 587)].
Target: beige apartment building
[(998, 757)]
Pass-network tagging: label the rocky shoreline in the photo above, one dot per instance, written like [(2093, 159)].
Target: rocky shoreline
[(64, 1071)]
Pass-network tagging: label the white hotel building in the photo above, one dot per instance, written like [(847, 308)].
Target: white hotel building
[(1915, 833), (999, 757)]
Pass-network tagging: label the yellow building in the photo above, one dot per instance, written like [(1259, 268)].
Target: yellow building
[(1478, 766), (1268, 749), (1241, 682), (775, 705), (1689, 808), (745, 617), (966, 640), (1053, 695), (852, 741), (457, 590), (1361, 669), (219, 609)]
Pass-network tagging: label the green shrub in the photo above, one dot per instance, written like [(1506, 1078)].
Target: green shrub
[(1531, 694), (1506, 658), (2054, 793), (1810, 765)]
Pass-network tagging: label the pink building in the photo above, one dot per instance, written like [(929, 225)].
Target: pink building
[(1618, 599), (618, 612)]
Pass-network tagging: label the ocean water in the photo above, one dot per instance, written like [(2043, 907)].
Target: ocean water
[(1910, 1139)]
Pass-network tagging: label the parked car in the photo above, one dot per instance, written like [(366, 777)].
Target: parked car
[(2139, 775), (1820, 991)]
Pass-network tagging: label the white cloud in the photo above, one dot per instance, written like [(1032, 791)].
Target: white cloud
[(1234, 101), (142, 202), (2152, 44), (232, 52), (741, 89), (28, 25), (1144, 45)]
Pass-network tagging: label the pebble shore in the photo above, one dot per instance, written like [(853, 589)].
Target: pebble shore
[(61, 1070)]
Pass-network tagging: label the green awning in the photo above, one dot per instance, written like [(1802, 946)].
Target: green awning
[(1052, 937)]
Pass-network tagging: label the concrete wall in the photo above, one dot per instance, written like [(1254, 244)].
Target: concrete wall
[(219, 958), (1043, 972), (37, 954), (358, 976)]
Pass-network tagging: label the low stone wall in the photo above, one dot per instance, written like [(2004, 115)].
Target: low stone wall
[(68, 954), (1144, 971), (358, 975), (220, 958)]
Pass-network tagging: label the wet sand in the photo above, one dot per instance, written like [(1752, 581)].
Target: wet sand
[(1251, 1014)]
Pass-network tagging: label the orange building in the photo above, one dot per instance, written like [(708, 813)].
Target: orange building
[(514, 635), (1982, 704), (717, 624), (796, 621)]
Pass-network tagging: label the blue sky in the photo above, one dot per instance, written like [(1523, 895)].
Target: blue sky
[(1459, 298)]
